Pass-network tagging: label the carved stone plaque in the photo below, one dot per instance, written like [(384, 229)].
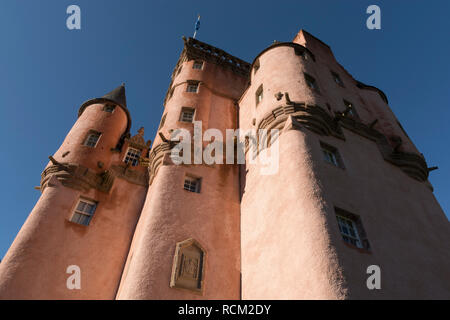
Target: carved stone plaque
[(188, 266)]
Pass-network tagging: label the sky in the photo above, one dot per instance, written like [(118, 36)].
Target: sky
[(47, 71)]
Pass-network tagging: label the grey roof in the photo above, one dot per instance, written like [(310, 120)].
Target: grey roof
[(116, 96)]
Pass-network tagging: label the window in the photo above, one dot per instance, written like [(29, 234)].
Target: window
[(331, 155), (198, 65), (348, 230), (351, 229), (301, 52), (187, 114), (259, 94), (163, 119), (83, 212), (92, 138), (192, 86), (192, 184), (132, 156), (311, 82), (256, 65), (109, 108), (337, 78), (171, 92), (350, 109)]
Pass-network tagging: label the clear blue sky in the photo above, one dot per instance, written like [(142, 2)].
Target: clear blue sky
[(47, 71)]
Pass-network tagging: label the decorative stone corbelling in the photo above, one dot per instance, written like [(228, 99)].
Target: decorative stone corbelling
[(77, 177), (319, 121), (82, 178)]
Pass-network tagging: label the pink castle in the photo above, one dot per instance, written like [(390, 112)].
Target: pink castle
[(351, 191)]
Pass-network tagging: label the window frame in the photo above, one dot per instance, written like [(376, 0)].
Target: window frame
[(301, 52), (350, 224), (197, 63), (259, 93), (80, 213), (335, 76), (256, 66), (190, 84), (335, 155), (310, 79), (357, 226), (88, 136), (109, 105), (134, 161), (186, 110), (191, 179)]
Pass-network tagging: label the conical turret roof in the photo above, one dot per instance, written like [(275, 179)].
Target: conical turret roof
[(116, 97)]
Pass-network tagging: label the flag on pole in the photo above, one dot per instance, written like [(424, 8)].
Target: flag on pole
[(197, 26)]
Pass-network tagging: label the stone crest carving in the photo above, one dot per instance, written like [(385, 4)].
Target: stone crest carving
[(188, 266)]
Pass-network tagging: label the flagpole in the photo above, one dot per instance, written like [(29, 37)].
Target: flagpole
[(197, 26)]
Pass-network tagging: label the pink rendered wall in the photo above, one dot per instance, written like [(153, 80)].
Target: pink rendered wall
[(407, 230), (285, 237), (291, 245), (172, 214), (36, 263), (111, 125)]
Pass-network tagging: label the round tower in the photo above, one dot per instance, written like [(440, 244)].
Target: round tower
[(75, 241), (344, 160), (186, 245)]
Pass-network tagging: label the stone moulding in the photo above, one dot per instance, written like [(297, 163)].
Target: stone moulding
[(83, 179), (156, 158), (316, 119), (77, 177), (132, 176), (195, 49)]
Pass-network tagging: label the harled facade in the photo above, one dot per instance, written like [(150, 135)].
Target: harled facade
[(351, 191)]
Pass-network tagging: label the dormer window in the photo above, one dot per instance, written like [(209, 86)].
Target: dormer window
[(198, 65), (192, 86), (109, 108), (92, 138), (259, 94), (132, 156)]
